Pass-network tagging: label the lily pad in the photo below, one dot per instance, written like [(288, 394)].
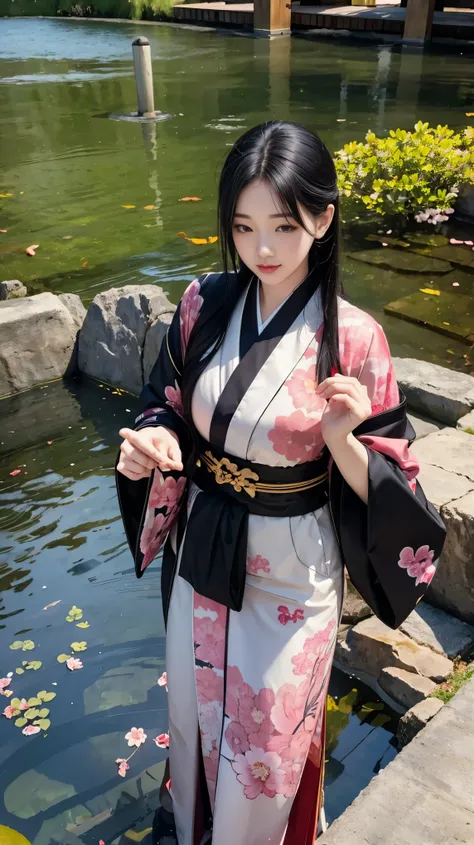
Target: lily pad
[(15, 702), (451, 314), (61, 658), (21, 722), (33, 702), (32, 713), (380, 720), (46, 696), (82, 646), (82, 625), (34, 664), (402, 262), (16, 645), (19, 670), (43, 713), (44, 724)]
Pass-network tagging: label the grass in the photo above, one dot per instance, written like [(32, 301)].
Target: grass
[(459, 676), (469, 430)]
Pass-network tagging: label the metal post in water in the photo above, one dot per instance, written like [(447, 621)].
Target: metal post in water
[(143, 76)]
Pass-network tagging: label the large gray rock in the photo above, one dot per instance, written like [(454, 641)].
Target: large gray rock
[(37, 336), (449, 452), (375, 646), (12, 289), (452, 587), (404, 687), (112, 339), (415, 719), (355, 608), (432, 627), (153, 340), (422, 426), (435, 391), (73, 303)]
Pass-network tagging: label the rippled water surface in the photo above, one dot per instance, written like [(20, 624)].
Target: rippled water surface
[(70, 172)]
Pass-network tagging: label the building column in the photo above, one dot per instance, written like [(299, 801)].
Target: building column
[(272, 18), (419, 20)]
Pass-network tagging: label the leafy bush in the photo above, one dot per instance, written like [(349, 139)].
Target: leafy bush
[(408, 174), (135, 9)]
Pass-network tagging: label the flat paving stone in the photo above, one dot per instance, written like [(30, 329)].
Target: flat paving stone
[(405, 687), (433, 391), (450, 314), (432, 627), (402, 262)]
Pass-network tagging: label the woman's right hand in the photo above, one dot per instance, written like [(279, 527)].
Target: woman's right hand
[(143, 451)]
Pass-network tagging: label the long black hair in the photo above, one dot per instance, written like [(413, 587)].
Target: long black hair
[(298, 167)]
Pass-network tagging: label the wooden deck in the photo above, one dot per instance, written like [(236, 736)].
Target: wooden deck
[(387, 18)]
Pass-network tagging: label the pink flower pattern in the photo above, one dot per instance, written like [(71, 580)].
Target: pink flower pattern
[(259, 772), (297, 437), (166, 493), (257, 564), (190, 307), (284, 615), (302, 388), (418, 564), (174, 400)]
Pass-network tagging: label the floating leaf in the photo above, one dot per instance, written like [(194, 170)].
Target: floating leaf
[(431, 291), (32, 713), (19, 670), (213, 239), (61, 658), (468, 114), (43, 713), (148, 207), (74, 614), (67, 237), (451, 351), (128, 206), (79, 646), (4, 231), (34, 664), (32, 702), (197, 240), (5, 196), (190, 199), (28, 645), (46, 696), (44, 724), (53, 603), (85, 265), (201, 241), (15, 702), (31, 250), (20, 723), (380, 720), (82, 625), (346, 703), (25, 645)]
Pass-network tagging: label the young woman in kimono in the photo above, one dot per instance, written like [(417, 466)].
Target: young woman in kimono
[(264, 376)]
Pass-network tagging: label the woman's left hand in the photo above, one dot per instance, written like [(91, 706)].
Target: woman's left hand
[(348, 405)]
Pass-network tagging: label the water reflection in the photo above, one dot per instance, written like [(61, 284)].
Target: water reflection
[(62, 545)]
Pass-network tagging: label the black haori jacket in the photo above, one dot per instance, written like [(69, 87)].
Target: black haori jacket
[(390, 546)]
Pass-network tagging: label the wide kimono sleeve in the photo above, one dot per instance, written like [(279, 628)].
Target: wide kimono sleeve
[(150, 506), (392, 544)]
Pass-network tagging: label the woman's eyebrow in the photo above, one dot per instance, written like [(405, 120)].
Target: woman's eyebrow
[(271, 216)]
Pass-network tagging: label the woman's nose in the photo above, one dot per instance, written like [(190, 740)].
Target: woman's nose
[(264, 250)]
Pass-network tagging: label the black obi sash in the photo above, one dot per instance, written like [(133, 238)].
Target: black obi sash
[(214, 555)]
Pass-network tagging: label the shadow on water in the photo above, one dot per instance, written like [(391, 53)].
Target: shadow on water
[(62, 545)]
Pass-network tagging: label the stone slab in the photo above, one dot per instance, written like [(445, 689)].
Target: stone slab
[(448, 449), (423, 426), (453, 586), (467, 423), (402, 262), (463, 256), (416, 718), (37, 338), (404, 687), (12, 289), (354, 608), (374, 646), (431, 627), (441, 486), (73, 303), (153, 340), (425, 796), (434, 391), (448, 314)]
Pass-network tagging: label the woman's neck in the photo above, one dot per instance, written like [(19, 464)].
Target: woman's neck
[(271, 296)]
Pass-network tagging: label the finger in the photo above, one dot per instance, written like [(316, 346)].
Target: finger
[(124, 470), (135, 466), (129, 451), (342, 387), (175, 457), (348, 401), (338, 377), (134, 438)]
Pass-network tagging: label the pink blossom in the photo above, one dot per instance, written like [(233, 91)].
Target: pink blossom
[(418, 564), (190, 307), (211, 765), (210, 685), (291, 777), (259, 772), (163, 680), (30, 730), (297, 437), (5, 682), (210, 639), (236, 693), (174, 400), (254, 716), (24, 704), (302, 388), (310, 352), (135, 736), (257, 564), (162, 741), (313, 648), (123, 766), (73, 663), (236, 738), (9, 711), (166, 493)]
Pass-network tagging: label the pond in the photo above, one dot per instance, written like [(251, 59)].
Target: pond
[(102, 198), (62, 547)]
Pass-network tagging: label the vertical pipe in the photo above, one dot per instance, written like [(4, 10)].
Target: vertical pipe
[(143, 76)]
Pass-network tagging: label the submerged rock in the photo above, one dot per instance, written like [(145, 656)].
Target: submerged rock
[(12, 289), (402, 262)]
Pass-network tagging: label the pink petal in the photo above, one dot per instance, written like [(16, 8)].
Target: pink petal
[(162, 741), (30, 730), (5, 682), (163, 680), (73, 663), (455, 241), (15, 472)]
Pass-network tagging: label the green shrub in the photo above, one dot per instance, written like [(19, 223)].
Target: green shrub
[(135, 9), (410, 174)]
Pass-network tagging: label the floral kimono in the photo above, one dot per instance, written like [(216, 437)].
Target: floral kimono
[(248, 676)]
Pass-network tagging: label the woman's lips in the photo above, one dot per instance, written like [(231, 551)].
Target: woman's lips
[(268, 268)]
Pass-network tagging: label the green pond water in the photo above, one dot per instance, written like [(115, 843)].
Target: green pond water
[(71, 171)]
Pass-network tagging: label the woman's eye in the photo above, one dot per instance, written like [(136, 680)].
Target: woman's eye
[(242, 228), (286, 228)]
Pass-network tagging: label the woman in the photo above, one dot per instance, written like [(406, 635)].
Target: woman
[(251, 409)]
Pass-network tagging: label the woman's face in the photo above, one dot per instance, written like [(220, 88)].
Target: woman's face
[(274, 247)]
